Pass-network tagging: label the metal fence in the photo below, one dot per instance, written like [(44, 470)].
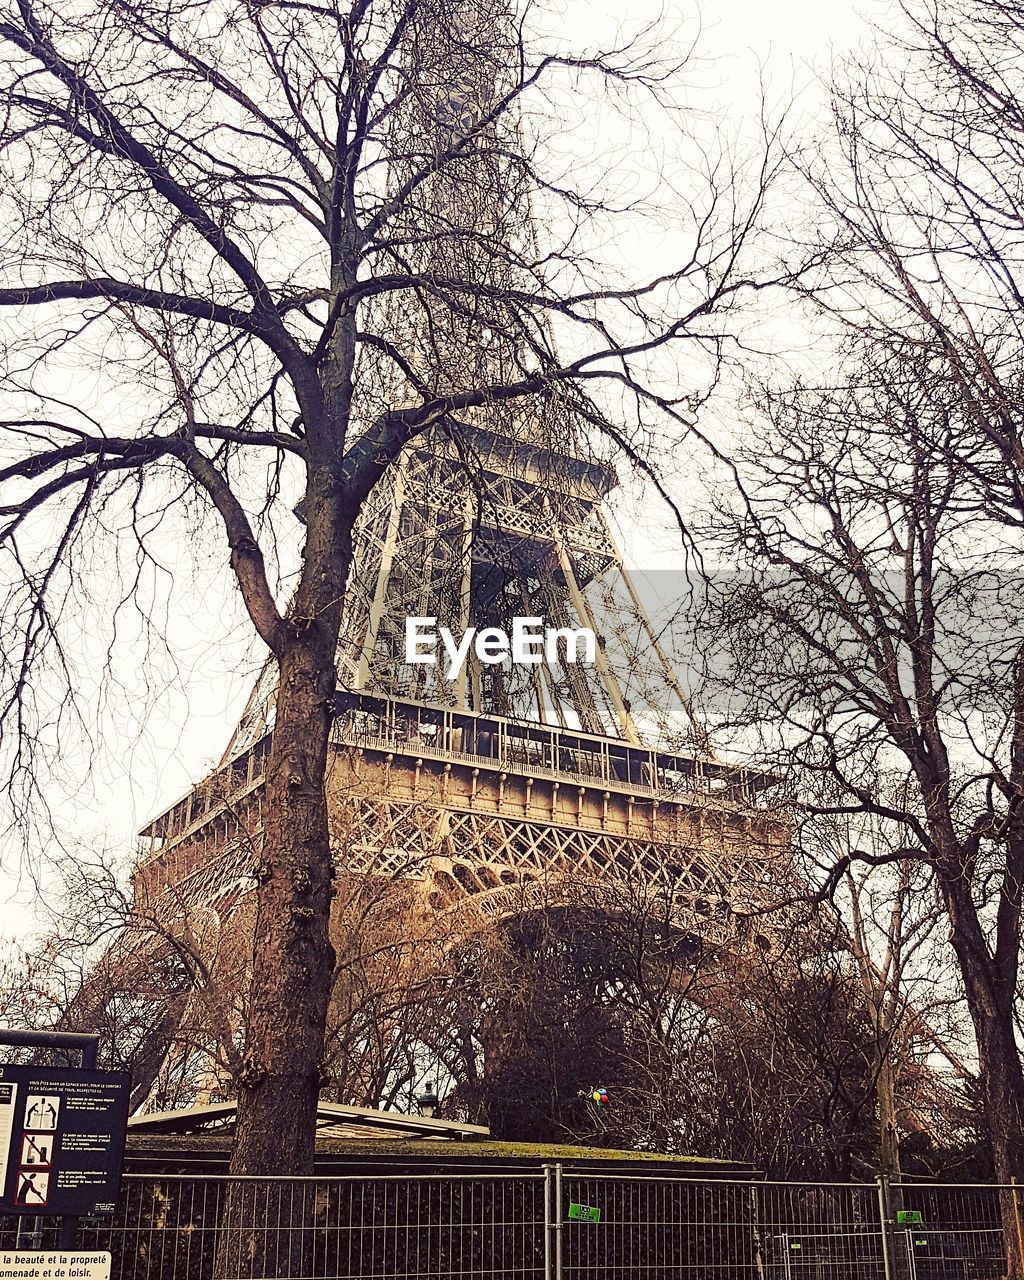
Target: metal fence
[(661, 1227), (554, 1224)]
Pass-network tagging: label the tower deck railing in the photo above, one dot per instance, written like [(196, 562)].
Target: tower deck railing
[(423, 731)]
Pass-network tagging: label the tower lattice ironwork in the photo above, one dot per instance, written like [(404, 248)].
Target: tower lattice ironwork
[(510, 788)]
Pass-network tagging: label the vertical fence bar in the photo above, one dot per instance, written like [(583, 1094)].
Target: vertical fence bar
[(559, 1215), (549, 1191), (787, 1257), (755, 1227), (885, 1223), (1014, 1192)]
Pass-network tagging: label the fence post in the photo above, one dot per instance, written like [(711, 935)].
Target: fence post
[(787, 1261), (548, 1221), (755, 1226), (1018, 1223), (558, 1222), (885, 1222)]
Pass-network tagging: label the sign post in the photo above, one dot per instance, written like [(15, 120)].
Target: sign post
[(62, 1134)]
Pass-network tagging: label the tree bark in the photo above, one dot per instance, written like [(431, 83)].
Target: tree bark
[(999, 1066), (1003, 1093), (292, 966), (263, 1229)]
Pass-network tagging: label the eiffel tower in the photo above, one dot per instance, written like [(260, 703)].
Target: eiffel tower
[(510, 788)]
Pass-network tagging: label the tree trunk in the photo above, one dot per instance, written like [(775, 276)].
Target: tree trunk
[(1002, 1084), (1000, 1074), (292, 965), (265, 1227), (889, 1140)]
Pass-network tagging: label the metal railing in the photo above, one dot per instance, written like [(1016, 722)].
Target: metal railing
[(552, 1224), (721, 1230)]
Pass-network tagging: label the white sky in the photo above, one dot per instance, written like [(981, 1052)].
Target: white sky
[(742, 41)]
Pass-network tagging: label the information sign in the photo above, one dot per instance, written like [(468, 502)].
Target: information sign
[(62, 1132)]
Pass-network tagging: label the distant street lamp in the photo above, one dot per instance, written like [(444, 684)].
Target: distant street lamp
[(428, 1101)]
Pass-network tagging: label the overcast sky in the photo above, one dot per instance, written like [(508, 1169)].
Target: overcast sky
[(742, 42), (789, 38)]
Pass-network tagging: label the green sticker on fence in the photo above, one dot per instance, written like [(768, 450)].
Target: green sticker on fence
[(908, 1217), (584, 1213)]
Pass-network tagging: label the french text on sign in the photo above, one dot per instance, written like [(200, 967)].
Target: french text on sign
[(53, 1265)]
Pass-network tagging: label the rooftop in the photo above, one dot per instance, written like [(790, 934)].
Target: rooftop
[(363, 1140)]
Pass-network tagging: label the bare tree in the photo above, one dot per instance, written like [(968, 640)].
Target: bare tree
[(700, 1047), (286, 240), (877, 638), (885, 537), (162, 980), (782, 1070), (552, 1003), (927, 201), (148, 982), (896, 919)]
